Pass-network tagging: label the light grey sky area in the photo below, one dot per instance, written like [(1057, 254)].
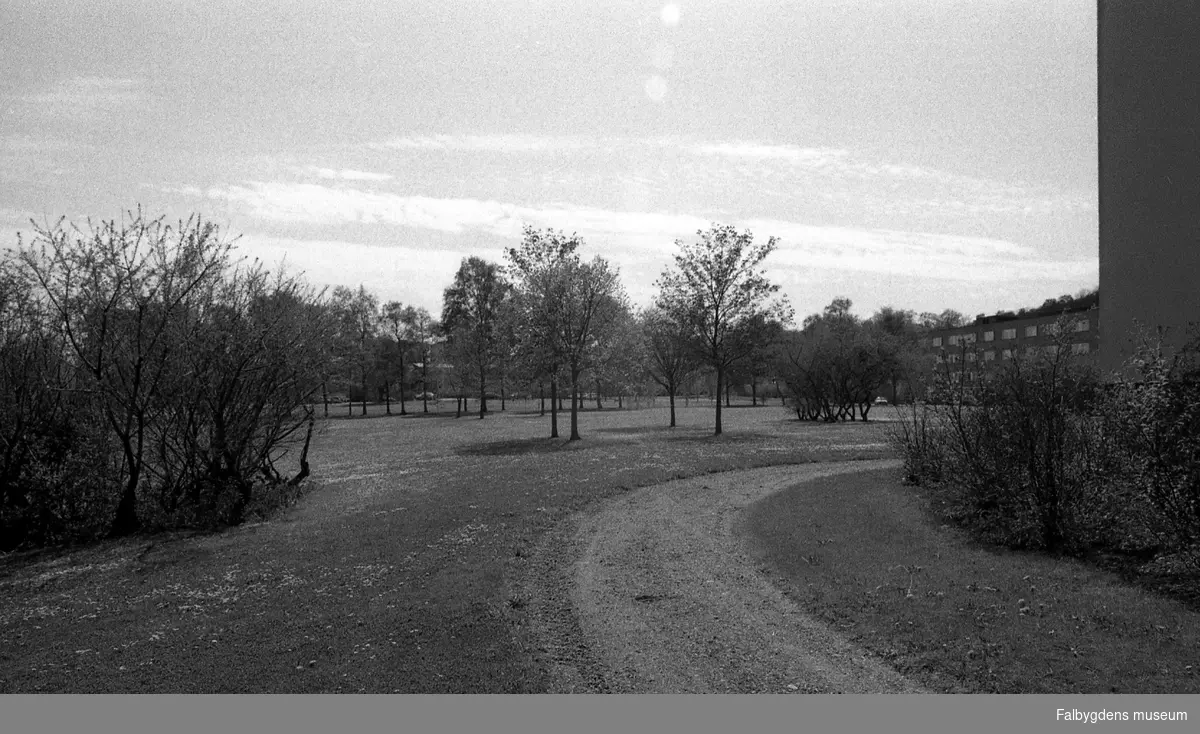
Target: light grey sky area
[(925, 155)]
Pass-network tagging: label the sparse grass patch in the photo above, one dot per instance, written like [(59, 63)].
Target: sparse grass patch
[(864, 554)]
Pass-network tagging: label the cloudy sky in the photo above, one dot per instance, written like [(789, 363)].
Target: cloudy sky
[(926, 155)]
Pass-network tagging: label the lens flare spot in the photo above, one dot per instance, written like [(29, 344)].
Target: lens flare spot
[(670, 14), (656, 88)]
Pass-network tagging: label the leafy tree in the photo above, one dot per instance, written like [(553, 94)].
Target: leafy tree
[(671, 360), (471, 309), (716, 290), (592, 306), (619, 364), (763, 336), (833, 365), (896, 332), (422, 333), (536, 312), (400, 323), (948, 319), (358, 314)]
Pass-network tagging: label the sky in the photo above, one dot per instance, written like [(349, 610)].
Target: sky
[(923, 155)]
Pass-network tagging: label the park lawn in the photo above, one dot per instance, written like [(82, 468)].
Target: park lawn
[(389, 575), (864, 554)]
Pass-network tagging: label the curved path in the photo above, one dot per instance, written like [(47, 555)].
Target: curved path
[(654, 592)]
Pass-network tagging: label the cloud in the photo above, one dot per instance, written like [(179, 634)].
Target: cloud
[(485, 143), (344, 174), (84, 97), (646, 239), (760, 151), (836, 179)]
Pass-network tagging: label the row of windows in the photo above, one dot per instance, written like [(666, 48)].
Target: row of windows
[(990, 355), (1005, 334)]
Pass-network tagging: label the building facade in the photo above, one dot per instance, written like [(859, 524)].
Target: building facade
[(993, 341), (1149, 158)]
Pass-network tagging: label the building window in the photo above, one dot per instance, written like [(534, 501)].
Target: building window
[(970, 356), (1007, 354), (1008, 334), (989, 356), (989, 336), (937, 341), (1031, 331), (1081, 347), (969, 338), (1082, 325), (952, 340)]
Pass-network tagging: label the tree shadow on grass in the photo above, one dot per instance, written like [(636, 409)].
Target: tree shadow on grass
[(639, 430), (522, 446), (708, 437)]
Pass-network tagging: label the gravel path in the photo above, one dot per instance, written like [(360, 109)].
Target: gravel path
[(654, 592)]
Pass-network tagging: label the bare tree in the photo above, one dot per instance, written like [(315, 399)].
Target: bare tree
[(117, 289)]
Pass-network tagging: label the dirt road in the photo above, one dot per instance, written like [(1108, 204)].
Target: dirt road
[(655, 592)]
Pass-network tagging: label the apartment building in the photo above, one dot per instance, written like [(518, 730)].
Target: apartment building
[(992, 341)]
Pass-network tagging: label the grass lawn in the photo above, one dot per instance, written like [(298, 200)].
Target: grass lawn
[(389, 575), (865, 555)]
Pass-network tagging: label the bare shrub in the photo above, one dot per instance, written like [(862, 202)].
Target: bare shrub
[(1018, 445)]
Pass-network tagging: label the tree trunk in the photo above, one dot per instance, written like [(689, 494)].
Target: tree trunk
[(754, 393), (503, 400), (672, 393), (402, 411), (542, 398), (574, 405), (598, 405), (303, 455), (325, 398), (364, 389), (387, 397), (425, 383), (726, 393), (720, 384), (555, 402), (458, 406), (482, 394), (126, 521)]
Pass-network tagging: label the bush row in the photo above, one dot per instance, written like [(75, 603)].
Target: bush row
[(1044, 454), (148, 379)]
